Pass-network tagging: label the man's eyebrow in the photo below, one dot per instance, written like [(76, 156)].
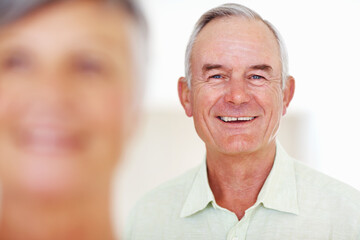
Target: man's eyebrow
[(263, 67), (209, 66)]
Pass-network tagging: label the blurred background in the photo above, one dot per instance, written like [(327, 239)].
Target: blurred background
[(322, 127)]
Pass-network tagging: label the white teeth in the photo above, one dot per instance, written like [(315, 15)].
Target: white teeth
[(233, 119), (245, 118)]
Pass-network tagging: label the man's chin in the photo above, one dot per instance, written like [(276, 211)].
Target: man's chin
[(239, 147)]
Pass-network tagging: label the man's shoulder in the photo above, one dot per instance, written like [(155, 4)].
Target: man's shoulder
[(171, 193), (325, 189), (159, 207), (172, 189)]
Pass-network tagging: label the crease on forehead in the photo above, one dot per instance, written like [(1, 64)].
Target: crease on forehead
[(235, 37), (238, 46), (235, 54)]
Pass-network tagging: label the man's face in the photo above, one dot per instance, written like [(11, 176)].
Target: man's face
[(236, 96), (66, 77)]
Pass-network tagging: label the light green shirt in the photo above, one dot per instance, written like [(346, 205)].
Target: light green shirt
[(296, 202)]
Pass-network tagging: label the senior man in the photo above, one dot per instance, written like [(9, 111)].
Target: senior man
[(237, 88)]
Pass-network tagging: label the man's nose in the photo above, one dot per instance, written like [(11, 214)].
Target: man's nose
[(237, 91)]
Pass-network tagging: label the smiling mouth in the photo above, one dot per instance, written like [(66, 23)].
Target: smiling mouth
[(236, 119), (48, 141)]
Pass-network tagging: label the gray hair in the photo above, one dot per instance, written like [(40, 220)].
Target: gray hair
[(13, 10), (228, 10)]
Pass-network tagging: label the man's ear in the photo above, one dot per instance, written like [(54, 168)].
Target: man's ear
[(288, 93), (184, 96)]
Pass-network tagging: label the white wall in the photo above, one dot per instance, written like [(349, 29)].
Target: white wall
[(323, 39)]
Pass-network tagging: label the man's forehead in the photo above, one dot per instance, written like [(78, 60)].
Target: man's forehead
[(237, 29), (230, 38)]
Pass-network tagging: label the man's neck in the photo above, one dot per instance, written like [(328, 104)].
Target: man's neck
[(237, 180), (85, 219)]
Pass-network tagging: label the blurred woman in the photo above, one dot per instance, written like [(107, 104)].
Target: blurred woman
[(69, 72)]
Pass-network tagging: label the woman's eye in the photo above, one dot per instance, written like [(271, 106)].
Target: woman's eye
[(16, 63), (89, 67)]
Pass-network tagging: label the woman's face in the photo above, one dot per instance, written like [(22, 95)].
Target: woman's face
[(66, 98)]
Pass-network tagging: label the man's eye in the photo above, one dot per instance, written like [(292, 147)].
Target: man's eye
[(216, 76), (256, 77), (257, 80)]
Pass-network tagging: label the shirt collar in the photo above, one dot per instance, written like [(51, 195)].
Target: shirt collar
[(200, 194), (279, 191)]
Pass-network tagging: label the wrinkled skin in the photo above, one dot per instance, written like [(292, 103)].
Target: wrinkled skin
[(236, 72)]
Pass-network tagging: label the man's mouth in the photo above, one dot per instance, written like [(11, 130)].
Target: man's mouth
[(236, 119)]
